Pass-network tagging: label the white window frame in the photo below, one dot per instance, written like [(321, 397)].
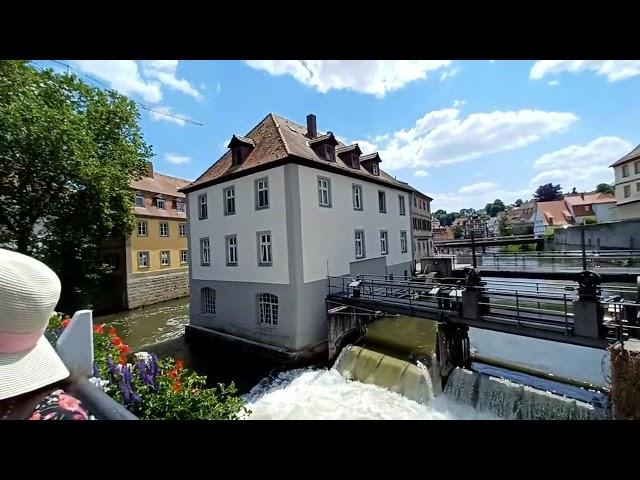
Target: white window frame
[(268, 309), (229, 195), (402, 208), (166, 233), (168, 256), (160, 201), (144, 253), (265, 248), (625, 171), (324, 191), (231, 249), (262, 185), (143, 232), (384, 201), (636, 166), (184, 253), (356, 192), (358, 239), (208, 299), (403, 241), (375, 169), (626, 191), (637, 186), (203, 209), (384, 242), (141, 198), (205, 252), (182, 229), (180, 206)]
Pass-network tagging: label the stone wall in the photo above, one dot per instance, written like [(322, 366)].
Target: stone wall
[(624, 234), (154, 287)]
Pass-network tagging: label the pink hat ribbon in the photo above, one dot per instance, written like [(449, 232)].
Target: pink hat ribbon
[(19, 342)]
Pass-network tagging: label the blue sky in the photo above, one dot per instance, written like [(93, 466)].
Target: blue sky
[(464, 132)]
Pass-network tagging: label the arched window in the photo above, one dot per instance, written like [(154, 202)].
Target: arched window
[(268, 308), (208, 301)]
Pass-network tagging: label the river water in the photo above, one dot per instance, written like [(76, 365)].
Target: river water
[(329, 392)]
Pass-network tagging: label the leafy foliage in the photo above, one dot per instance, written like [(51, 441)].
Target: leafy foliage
[(494, 208), (68, 152), (548, 192), (152, 388), (604, 188)]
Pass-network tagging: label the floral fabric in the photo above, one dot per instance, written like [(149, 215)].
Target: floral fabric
[(60, 406)]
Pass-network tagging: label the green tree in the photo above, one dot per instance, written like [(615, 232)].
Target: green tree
[(494, 208), (457, 232), (68, 152), (518, 202), (604, 188), (504, 226), (548, 192)]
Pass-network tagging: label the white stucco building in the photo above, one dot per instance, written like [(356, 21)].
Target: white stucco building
[(280, 211), (627, 189)]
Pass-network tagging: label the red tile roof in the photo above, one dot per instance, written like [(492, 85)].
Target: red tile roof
[(279, 141), (555, 212), (164, 185)]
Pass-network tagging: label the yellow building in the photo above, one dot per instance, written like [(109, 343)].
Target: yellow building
[(155, 266)]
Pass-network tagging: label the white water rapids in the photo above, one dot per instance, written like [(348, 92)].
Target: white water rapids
[(327, 395)]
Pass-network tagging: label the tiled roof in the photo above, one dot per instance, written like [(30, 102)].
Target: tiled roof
[(347, 148), (238, 138), (589, 198), (371, 156), (323, 138), (278, 139), (161, 183), (633, 154), (165, 186), (555, 212)]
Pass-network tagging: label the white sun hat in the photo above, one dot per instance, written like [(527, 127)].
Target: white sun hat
[(29, 292)]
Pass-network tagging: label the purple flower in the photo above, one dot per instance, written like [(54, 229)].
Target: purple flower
[(126, 392)]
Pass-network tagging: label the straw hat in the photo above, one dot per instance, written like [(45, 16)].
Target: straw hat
[(29, 292)]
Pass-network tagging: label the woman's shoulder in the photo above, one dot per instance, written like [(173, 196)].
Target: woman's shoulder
[(60, 405)]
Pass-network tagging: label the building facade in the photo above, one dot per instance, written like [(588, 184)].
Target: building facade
[(280, 211), (151, 265), (627, 185), (421, 225)]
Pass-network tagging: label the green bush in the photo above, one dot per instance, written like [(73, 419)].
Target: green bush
[(152, 388)]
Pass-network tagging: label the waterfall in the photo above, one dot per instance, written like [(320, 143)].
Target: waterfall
[(510, 400), (462, 386), (398, 376)]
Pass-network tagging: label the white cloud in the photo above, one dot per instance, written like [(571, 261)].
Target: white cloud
[(444, 137), (581, 166), (553, 83), (454, 201), (492, 61), (374, 77), (121, 75), (459, 103), (420, 173), (133, 78), (165, 72), (176, 159), (449, 74), (614, 70), (158, 116), (480, 187)]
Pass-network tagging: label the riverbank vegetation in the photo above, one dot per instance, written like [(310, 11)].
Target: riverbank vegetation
[(152, 388), (68, 152)]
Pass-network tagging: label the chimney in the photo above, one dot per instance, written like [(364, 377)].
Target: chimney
[(312, 131), (582, 195), (149, 169)]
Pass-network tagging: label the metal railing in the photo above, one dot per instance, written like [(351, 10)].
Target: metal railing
[(543, 306)]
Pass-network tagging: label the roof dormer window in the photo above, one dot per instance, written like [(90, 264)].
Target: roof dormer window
[(374, 169), (240, 147), (329, 152)]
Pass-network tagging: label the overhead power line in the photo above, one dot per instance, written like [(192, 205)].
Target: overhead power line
[(142, 105)]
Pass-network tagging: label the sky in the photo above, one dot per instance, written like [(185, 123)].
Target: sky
[(463, 132)]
